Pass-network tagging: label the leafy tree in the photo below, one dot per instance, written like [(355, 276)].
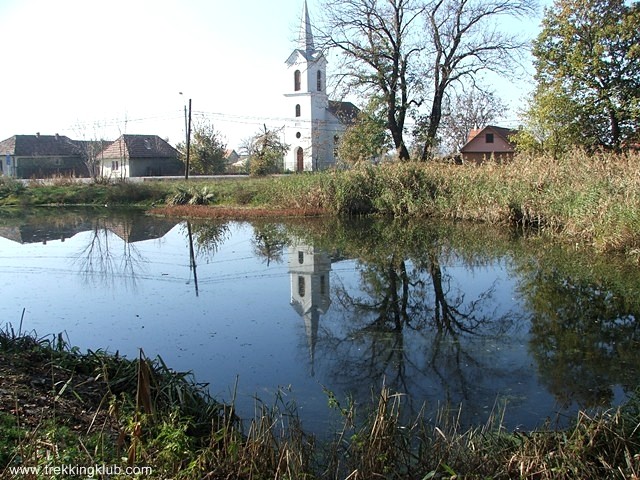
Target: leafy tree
[(590, 51), (367, 139), (266, 152), (207, 151), (551, 123), (470, 109)]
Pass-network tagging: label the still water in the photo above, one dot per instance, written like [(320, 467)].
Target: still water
[(448, 314)]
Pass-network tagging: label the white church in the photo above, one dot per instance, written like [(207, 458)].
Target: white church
[(314, 124)]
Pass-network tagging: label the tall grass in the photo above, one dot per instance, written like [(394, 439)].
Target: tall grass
[(152, 416), (592, 199)]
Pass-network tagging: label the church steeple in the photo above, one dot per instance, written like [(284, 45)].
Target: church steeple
[(305, 38)]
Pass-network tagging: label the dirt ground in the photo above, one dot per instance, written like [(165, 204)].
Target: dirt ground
[(33, 390)]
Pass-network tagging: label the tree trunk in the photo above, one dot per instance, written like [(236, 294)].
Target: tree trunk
[(615, 130), (397, 136), (434, 122)]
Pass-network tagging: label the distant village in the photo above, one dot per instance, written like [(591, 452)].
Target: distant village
[(46, 156), (313, 128)]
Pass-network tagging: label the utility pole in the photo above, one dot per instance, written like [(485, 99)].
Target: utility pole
[(186, 170)]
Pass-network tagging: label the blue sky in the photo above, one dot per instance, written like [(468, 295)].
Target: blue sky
[(94, 68)]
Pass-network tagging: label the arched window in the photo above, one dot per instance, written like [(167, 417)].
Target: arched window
[(297, 110), (319, 81), (301, 286), (296, 80)]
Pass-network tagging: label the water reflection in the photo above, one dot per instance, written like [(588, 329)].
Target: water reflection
[(585, 330), (444, 313), (309, 270)]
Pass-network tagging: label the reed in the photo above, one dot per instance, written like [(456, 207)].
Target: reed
[(141, 413)]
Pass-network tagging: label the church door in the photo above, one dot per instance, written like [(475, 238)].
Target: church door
[(300, 160)]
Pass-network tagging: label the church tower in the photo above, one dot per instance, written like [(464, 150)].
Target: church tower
[(312, 127), (313, 123)]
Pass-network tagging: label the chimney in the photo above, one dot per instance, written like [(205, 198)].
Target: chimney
[(37, 134), (57, 136)]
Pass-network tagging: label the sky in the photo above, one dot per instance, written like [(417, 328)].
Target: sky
[(100, 68)]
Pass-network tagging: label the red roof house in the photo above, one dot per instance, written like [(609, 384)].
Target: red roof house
[(489, 142)]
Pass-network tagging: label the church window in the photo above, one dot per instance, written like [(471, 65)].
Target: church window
[(301, 286), (323, 287), (319, 81), (298, 134), (300, 258), (297, 80), (297, 110)]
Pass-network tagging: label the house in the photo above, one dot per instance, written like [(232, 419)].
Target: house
[(231, 156), (488, 142), (313, 124), (41, 156), (140, 156)]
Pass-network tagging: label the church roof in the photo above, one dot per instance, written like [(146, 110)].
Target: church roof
[(346, 112), (306, 44), (308, 56), (305, 38)]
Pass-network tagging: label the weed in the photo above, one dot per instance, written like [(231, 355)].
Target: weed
[(153, 416)]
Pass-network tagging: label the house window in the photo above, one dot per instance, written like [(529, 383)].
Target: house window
[(319, 81), (298, 134), (489, 138), (296, 80), (297, 110), (115, 165), (147, 144), (301, 286)]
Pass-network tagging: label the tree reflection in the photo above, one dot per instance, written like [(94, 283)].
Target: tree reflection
[(408, 322), (585, 332), (408, 304), (207, 237), (110, 258), (269, 241), (108, 263)]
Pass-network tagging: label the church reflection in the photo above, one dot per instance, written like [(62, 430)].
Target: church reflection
[(309, 270)]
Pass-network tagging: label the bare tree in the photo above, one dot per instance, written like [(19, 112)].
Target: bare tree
[(476, 108), (465, 40), (90, 146), (390, 48), (380, 54)]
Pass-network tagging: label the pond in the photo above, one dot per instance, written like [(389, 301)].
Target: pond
[(459, 315)]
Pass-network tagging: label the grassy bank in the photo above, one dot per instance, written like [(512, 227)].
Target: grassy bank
[(62, 407), (592, 200)]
